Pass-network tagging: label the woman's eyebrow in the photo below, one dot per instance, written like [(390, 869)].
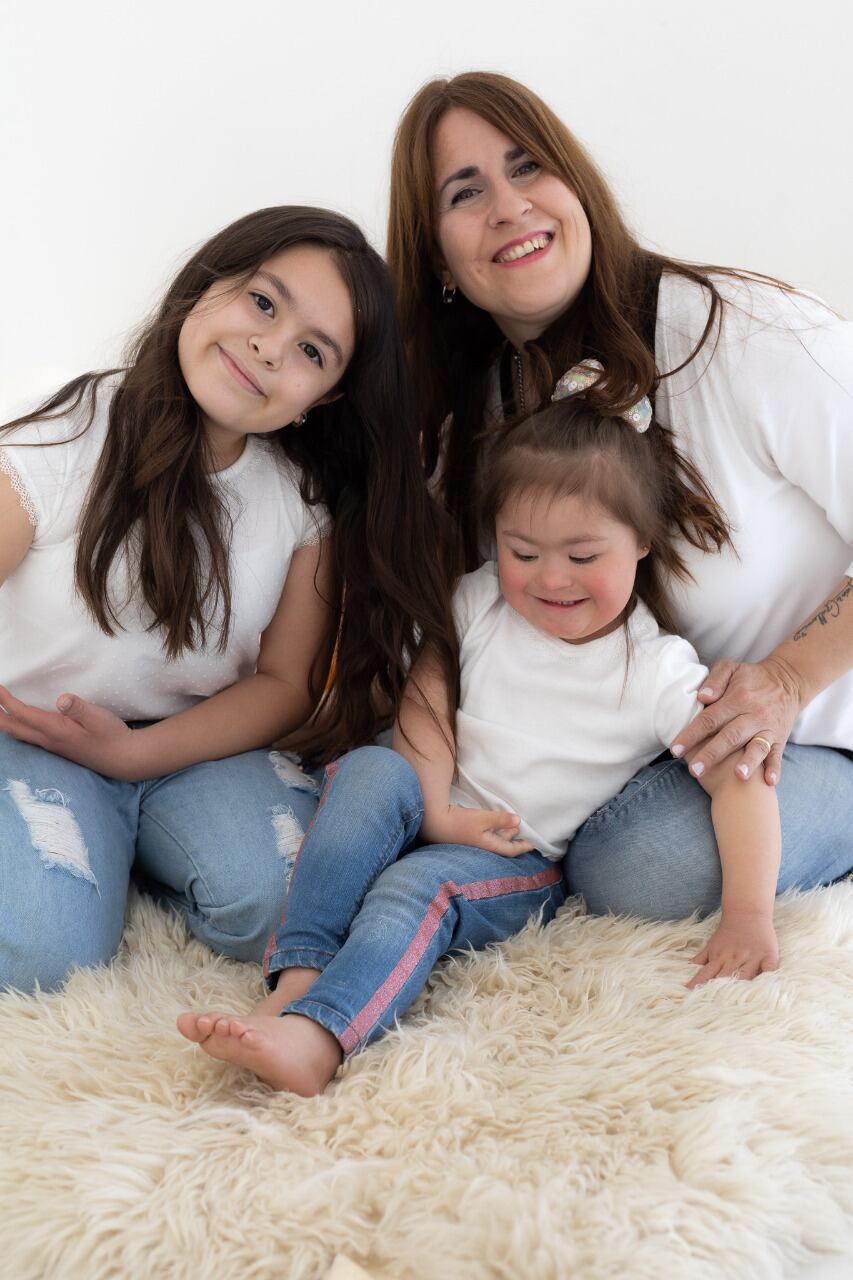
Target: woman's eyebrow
[(471, 170)]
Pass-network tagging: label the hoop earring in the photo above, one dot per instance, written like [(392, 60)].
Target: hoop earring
[(301, 420), (447, 295)]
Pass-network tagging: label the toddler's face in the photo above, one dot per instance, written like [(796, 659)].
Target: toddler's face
[(566, 565)]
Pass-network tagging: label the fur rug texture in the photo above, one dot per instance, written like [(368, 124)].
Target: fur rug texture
[(557, 1107)]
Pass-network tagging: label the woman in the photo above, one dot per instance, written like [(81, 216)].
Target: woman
[(512, 265)]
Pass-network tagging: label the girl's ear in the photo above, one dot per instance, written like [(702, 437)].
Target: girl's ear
[(643, 552)]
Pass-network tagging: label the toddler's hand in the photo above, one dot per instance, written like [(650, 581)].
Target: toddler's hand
[(488, 829), (743, 945)]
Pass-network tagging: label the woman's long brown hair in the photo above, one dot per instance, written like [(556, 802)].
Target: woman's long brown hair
[(451, 349), (151, 496)]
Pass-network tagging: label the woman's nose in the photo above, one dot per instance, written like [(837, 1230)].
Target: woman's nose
[(508, 204)]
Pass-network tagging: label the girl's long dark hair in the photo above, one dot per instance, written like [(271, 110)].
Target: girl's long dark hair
[(151, 496), (453, 349)]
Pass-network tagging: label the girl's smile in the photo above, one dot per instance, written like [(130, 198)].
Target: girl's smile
[(566, 564), (257, 354)]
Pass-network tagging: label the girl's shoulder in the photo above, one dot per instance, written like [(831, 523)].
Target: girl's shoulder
[(474, 595), (50, 460)]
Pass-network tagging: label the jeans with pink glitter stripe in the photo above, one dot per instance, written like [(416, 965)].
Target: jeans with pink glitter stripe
[(374, 910)]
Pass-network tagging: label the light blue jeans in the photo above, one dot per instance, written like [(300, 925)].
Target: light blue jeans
[(651, 850), (216, 842), (374, 910)]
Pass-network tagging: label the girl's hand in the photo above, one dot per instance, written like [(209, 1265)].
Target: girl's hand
[(78, 730), (487, 829), (752, 709), (743, 945)]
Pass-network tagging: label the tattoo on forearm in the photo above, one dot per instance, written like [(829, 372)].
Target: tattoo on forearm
[(827, 611)]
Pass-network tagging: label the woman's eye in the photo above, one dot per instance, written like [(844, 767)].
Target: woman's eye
[(263, 303), (464, 194), (527, 167), (312, 353), (582, 559)]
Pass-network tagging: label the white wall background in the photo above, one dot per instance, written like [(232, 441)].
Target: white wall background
[(131, 132)]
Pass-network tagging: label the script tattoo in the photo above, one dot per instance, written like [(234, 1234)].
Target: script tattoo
[(827, 611)]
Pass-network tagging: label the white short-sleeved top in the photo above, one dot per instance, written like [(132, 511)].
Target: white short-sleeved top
[(767, 417), (551, 730), (49, 643)]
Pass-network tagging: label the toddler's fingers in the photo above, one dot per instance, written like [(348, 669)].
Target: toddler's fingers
[(769, 964), (701, 957), (705, 974)]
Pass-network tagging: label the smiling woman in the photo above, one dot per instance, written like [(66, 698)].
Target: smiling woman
[(497, 208), (174, 558)]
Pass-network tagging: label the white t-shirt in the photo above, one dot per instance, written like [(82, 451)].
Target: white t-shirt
[(49, 642), (767, 417), (551, 730), (768, 420)]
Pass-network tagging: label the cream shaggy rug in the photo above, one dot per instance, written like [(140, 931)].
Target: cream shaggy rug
[(559, 1107)]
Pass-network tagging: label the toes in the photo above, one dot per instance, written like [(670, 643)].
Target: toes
[(188, 1025)]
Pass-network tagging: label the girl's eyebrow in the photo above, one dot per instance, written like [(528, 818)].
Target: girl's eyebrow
[(471, 170), (286, 296), (569, 542)]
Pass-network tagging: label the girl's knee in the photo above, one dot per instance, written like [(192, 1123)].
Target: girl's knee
[(378, 774), (29, 963)]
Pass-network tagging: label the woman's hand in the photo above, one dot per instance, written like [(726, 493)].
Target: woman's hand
[(90, 736), (750, 711), (743, 945), (487, 829)]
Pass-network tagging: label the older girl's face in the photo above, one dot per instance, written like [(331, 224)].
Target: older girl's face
[(258, 356), (513, 238)]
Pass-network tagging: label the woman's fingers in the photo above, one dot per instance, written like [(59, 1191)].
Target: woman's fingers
[(773, 765), (755, 753), (717, 680)]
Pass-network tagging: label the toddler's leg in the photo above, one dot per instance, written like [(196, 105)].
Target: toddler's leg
[(66, 847), (369, 811), (435, 899)]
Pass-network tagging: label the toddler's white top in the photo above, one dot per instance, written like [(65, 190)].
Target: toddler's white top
[(551, 730), (49, 643)]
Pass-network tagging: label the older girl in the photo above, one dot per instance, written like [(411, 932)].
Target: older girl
[(512, 264), (177, 537)]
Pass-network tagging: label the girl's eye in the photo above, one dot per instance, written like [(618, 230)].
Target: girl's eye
[(312, 353), (525, 559), (263, 303), (582, 559)]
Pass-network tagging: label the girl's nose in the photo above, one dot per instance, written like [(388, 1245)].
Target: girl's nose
[(267, 349)]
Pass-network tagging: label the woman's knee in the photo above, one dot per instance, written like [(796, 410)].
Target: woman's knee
[(651, 851)]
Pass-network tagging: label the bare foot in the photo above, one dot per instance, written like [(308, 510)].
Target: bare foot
[(291, 1053), (197, 1026), (292, 983)]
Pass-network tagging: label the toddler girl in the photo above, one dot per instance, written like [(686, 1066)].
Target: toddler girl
[(570, 683)]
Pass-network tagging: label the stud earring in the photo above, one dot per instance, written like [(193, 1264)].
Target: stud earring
[(447, 294), (301, 420)]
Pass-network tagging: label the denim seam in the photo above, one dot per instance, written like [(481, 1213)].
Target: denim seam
[(619, 802), (294, 958), (190, 859), (330, 1019)]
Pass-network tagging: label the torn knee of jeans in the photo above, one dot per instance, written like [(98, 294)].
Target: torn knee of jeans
[(288, 837), (289, 771), (54, 831)]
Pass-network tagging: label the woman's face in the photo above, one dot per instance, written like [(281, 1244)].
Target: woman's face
[(513, 238), (257, 356)]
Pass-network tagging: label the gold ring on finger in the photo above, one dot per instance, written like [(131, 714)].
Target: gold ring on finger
[(768, 746)]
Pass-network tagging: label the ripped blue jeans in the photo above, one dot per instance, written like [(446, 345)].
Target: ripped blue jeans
[(216, 842)]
